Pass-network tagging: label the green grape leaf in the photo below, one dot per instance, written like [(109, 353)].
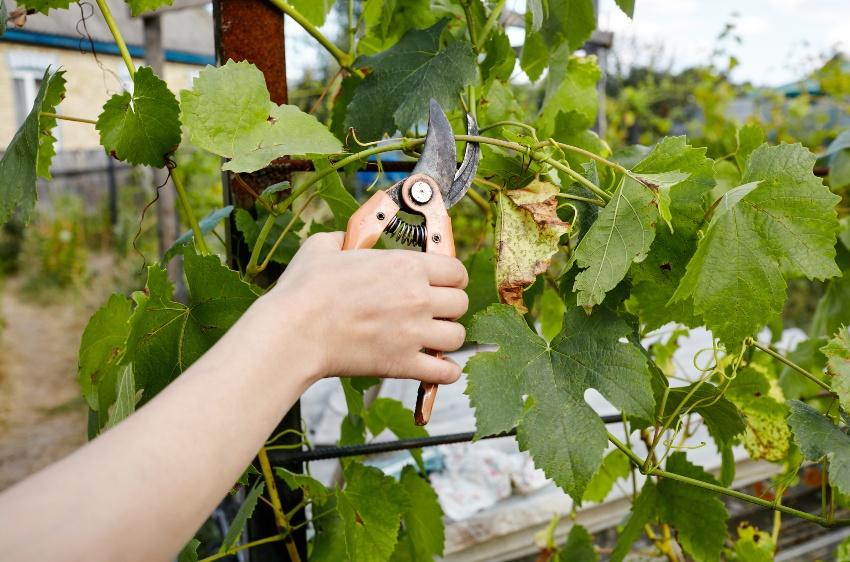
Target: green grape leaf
[(832, 311), (500, 59), (4, 14), (395, 94), (423, 520), (579, 547), (564, 435), (615, 466), (44, 6), (53, 95), (101, 347), (246, 510), (189, 552), (752, 545), (568, 21), (309, 486), (535, 56), (28, 154), (749, 137), (643, 511), (781, 223), (551, 313), (250, 229), (537, 10), (767, 436), (387, 413), (721, 417), (817, 438), (314, 10), (332, 192), (839, 170), (655, 279), (620, 236), (662, 183), (371, 506), (229, 112), (139, 7), (528, 232), (837, 352), (141, 128), (481, 290), (329, 542), (570, 88), (166, 337), (387, 20), (627, 6), (125, 398), (688, 197), (207, 224), (697, 514)]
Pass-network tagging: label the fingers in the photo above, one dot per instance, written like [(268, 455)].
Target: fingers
[(448, 303), (326, 240), (428, 368), (445, 271), (443, 335)]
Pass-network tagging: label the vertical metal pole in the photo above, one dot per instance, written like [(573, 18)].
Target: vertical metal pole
[(252, 30), (113, 192)]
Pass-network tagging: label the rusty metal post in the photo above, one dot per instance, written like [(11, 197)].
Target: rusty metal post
[(252, 30)]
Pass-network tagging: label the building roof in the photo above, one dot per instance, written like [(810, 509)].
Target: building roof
[(187, 33)]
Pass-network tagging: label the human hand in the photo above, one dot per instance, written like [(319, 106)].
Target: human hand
[(371, 312)]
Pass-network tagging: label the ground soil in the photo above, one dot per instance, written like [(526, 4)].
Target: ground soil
[(42, 414)]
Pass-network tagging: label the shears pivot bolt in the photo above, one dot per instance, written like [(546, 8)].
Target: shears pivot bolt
[(421, 192)]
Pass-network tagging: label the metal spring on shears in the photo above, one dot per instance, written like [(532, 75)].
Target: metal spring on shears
[(406, 233)]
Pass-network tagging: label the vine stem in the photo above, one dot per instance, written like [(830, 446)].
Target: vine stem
[(233, 550), (345, 60), (488, 25), (68, 118), (116, 34), (782, 359), (572, 197), (570, 148), (198, 234), (280, 519), (405, 143), (283, 234), (526, 126), (775, 505)]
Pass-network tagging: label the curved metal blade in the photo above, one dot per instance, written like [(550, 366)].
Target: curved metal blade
[(439, 156), (464, 175)]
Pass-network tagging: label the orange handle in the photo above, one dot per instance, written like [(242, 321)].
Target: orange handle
[(442, 227), (364, 229), (368, 222)]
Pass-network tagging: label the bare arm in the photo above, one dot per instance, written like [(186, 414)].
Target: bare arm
[(140, 490)]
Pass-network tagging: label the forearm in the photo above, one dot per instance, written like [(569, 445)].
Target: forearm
[(105, 502)]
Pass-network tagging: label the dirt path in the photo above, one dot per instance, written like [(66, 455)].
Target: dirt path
[(42, 416)]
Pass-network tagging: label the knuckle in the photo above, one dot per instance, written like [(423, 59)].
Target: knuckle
[(459, 335)]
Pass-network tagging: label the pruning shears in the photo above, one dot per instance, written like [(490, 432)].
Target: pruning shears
[(435, 184)]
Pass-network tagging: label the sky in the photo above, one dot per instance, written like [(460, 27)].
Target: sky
[(780, 40)]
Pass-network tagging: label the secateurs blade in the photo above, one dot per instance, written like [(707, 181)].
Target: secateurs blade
[(435, 172)]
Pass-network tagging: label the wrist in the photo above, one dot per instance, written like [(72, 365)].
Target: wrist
[(282, 330)]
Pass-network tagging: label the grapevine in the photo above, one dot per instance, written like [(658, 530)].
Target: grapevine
[(587, 252)]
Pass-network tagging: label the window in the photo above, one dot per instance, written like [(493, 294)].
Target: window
[(27, 69)]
